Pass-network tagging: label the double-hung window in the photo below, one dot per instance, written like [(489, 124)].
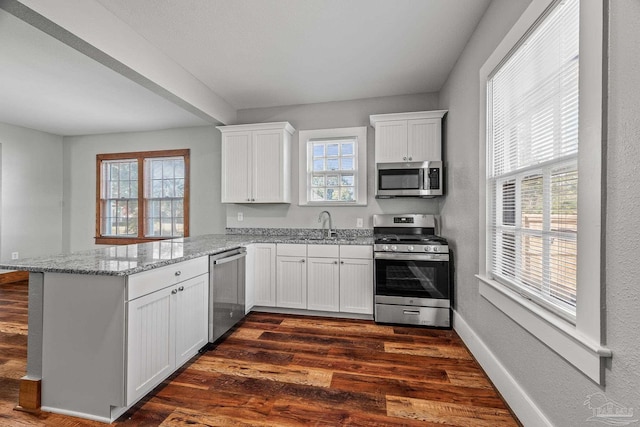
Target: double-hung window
[(333, 162), (533, 163), (543, 114), (142, 196)]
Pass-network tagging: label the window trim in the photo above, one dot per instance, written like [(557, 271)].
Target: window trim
[(304, 136), (140, 156), (580, 344)]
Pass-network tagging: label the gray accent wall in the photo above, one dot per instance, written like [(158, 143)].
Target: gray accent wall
[(206, 212), (326, 116), (553, 385)]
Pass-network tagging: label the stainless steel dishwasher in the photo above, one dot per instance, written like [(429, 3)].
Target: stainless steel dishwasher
[(226, 291)]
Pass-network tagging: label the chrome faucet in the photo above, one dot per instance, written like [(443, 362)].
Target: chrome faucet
[(330, 232)]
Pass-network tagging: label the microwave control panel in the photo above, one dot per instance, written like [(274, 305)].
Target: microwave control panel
[(434, 178)]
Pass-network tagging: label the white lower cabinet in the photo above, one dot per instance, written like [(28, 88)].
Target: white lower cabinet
[(261, 275), (291, 271), (323, 284), (356, 285), (332, 278), (323, 277), (164, 329)]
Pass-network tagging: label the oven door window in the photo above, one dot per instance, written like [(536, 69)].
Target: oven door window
[(404, 278), (399, 179)]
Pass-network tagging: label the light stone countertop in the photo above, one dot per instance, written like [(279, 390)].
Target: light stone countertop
[(131, 259)]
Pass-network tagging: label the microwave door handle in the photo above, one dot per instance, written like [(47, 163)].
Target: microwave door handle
[(421, 178)]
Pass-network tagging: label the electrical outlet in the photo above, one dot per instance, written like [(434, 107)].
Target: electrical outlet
[(240, 216), (359, 222), (15, 255)]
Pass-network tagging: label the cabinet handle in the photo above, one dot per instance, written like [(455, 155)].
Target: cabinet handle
[(181, 288), (174, 291), (178, 273)]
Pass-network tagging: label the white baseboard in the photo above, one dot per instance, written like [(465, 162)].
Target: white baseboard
[(517, 399)]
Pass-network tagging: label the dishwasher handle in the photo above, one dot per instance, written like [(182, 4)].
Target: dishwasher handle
[(230, 258)]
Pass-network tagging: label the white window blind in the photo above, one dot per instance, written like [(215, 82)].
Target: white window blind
[(532, 153)]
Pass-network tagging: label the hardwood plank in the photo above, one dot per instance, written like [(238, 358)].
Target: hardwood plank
[(449, 413), (290, 370), (373, 369), (321, 340), (290, 374), (418, 389), (13, 277), (446, 351)]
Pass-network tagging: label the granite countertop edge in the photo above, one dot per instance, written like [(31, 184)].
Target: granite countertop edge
[(107, 262)]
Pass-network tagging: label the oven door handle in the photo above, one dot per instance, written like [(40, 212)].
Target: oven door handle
[(411, 257)]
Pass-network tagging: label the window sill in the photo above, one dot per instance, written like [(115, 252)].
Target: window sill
[(358, 203), (129, 240), (560, 336)]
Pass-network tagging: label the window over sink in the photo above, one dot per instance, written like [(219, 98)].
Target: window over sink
[(142, 196), (333, 162)]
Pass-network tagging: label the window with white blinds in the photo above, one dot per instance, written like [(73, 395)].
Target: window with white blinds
[(532, 154)]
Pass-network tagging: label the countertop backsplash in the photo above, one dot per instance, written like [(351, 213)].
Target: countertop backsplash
[(302, 233)]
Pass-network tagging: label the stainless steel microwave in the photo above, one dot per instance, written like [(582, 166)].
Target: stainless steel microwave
[(409, 179)]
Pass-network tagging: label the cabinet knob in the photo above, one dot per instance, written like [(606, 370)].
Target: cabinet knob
[(302, 260), (253, 200), (335, 262), (178, 273), (174, 291), (181, 288), (410, 158), (404, 158), (341, 262)]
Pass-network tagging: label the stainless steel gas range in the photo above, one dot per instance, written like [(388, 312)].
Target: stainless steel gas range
[(412, 271)]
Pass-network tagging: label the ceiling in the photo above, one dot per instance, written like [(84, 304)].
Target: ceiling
[(252, 53), (48, 86)]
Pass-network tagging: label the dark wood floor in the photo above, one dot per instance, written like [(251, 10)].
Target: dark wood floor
[(277, 370)]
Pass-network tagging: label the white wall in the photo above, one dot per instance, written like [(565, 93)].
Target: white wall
[(207, 214), (553, 385), (31, 204), (324, 116)]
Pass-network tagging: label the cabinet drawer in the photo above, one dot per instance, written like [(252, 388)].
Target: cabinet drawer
[(291, 249), (323, 251), (152, 280), (356, 251)]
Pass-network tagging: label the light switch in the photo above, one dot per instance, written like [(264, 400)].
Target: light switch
[(240, 216), (359, 222)]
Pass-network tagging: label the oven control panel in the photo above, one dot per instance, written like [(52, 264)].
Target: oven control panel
[(436, 249)]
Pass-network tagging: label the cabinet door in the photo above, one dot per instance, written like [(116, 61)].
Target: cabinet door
[(264, 274), (191, 317), (323, 284), (236, 167), (291, 289), (150, 342), (356, 286), (391, 141), (424, 139), (268, 170)]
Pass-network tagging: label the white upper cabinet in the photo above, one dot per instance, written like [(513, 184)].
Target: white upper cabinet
[(256, 163), (408, 137)]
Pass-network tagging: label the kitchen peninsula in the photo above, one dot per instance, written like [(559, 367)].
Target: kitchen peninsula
[(91, 353)]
